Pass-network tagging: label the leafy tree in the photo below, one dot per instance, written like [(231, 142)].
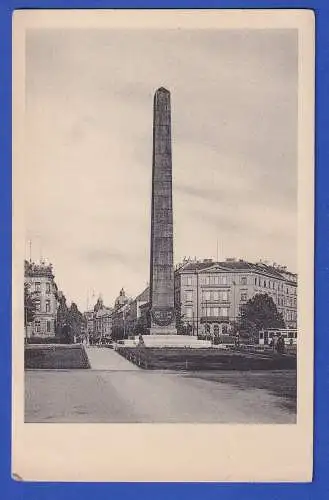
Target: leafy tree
[(62, 316), (75, 321), (260, 312), (140, 327), (180, 325), (29, 305)]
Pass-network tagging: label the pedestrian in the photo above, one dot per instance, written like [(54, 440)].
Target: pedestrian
[(280, 345)]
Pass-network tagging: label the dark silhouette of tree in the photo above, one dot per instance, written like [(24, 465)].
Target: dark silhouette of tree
[(260, 312), (140, 327), (75, 321), (180, 324), (62, 317)]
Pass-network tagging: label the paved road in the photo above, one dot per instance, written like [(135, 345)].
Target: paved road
[(124, 393), (107, 359)]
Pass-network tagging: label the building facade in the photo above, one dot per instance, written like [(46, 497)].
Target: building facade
[(98, 322), (209, 295), (135, 323), (120, 316), (41, 285)]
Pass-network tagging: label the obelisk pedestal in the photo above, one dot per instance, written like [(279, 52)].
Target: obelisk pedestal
[(161, 262)]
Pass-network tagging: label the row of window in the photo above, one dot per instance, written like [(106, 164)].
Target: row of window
[(221, 312), (291, 315), (223, 296), (37, 326), (215, 311), (288, 301), (223, 280), (214, 296), (47, 306), (37, 287)]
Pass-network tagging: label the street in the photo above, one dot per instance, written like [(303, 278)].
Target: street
[(124, 393)]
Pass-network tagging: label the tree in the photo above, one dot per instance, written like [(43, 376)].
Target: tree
[(180, 324), (140, 327), (62, 316), (259, 313), (75, 321), (29, 305)]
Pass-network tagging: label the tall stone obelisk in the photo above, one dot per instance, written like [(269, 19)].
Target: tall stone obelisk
[(161, 265)]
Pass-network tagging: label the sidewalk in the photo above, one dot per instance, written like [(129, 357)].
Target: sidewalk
[(101, 358)]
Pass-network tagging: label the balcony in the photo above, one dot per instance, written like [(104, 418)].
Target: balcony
[(214, 319)]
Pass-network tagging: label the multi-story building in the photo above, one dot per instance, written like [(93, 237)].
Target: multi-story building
[(89, 322), (134, 321), (42, 286), (99, 322), (120, 316), (209, 295)]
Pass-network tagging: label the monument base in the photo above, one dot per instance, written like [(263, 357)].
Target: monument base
[(173, 341), (163, 330)]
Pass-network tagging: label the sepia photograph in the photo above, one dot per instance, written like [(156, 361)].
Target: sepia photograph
[(160, 220)]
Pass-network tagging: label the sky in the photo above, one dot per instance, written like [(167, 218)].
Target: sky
[(88, 117)]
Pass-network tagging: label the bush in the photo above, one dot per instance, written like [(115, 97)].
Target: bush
[(43, 340)]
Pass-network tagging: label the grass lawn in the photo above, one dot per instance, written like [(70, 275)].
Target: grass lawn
[(55, 357), (173, 358), (282, 383)]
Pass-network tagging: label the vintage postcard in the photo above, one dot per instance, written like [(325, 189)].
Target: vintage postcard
[(163, 166)]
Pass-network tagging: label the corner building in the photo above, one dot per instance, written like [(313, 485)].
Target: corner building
[(42, 286), (210, 295)]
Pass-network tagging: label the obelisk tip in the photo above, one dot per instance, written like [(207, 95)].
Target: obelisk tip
[(162, 90)]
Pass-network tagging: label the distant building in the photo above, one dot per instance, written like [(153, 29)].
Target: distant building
[(102, 320), (135, 323), (89, 319), (43, 288), (98, 322), (209, 295), (120, 316)]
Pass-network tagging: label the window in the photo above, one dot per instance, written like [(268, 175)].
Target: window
[(244, 296), (188, 280), (224, 311), (215, 296), (223, 280), (38, 287), (243, 280), (47, 306), (223, 296), (207, 311), (47, 287), (189, 312), (255, 281), (37, 326), (37, 305), (48, 326), (264, 283), (206, 296), (189, 296), (215, 311)]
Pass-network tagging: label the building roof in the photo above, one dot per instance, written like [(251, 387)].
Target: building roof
[(237, 265), (31, 269), (144, 296)]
